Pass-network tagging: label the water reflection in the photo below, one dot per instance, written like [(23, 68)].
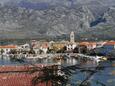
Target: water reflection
[(103, 76)]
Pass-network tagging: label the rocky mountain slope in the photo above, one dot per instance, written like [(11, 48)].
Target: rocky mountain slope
[(54, 18)]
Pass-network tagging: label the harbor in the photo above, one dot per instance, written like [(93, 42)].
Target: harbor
[(63, 63), (17, 69)]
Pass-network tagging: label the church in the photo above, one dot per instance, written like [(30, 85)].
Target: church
[(71, 45)]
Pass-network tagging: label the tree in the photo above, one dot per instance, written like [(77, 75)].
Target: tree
[(31, 51), (53, 74), (63, 50), (2, 51), (41, 51), (76, 50), (59, 75), (13, 51), (82, 49)]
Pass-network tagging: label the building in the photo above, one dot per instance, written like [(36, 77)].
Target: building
[(44, 47), (58, 45), (106, 49), (72, 37), (89, 45), (36, 46), (100, 44), (39, 46), (71, 46), (24, 47), (7, 48)]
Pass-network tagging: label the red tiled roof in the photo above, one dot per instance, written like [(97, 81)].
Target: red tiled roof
[(8, 46), (45, 45), (17, 79), (110, 43), (88, 43)]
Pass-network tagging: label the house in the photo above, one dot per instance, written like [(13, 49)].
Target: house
[(107, 48), (110, 43), (36, 46), (57, 45), (24, 47), (89, 45), (44, 47), (40, 46), (101, 43), (7, 48), (70, 46)]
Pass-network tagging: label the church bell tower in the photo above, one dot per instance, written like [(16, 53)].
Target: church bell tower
[(72, 37)]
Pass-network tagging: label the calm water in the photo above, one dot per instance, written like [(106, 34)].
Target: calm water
[(104, 76)]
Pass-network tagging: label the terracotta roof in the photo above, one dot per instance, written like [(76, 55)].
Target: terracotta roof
[(45, 45), (110, 43), (8, 46), (88, 43), (18, 79)]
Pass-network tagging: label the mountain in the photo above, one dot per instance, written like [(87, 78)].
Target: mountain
[(105, 29), (54, 18)]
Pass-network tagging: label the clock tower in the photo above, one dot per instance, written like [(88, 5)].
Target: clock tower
[(72, 37)]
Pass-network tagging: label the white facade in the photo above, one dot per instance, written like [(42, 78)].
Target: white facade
[(91, 46), (72, 37), (6, 49), (37, 51), (44, 50), (71, 47), (25, 47)]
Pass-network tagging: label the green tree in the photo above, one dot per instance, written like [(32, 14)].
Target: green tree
[(63, 50), (2, 51), (51, 74), (60, 75)]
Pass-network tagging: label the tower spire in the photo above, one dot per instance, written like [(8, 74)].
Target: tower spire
[(72, 37)]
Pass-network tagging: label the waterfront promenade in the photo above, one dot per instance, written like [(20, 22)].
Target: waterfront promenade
[(59, 56)]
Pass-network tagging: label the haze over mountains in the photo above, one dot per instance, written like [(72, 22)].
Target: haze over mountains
[(53, 18)]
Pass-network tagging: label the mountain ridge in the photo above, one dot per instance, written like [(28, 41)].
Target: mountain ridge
[(56, 18)]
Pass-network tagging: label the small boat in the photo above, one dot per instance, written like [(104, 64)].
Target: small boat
[(95, 58)]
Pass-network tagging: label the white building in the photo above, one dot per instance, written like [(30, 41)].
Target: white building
[(39, 46), (25, 47), (7, 48), (72, 37), (70, 47)]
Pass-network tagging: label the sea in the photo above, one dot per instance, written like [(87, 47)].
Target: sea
[(91, 74)]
